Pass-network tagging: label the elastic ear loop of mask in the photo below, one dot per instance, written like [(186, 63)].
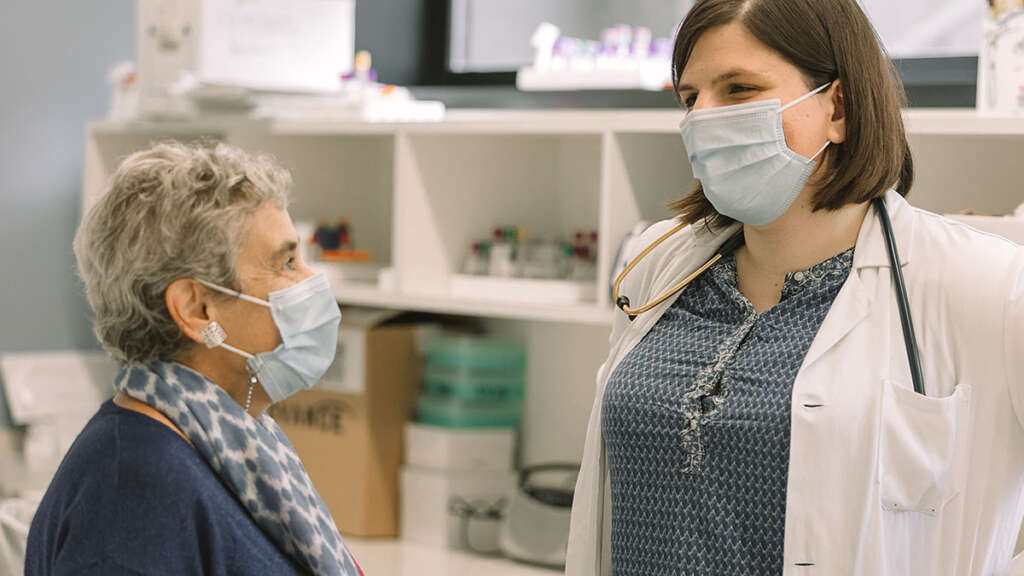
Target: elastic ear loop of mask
[(805, 97), (245, 297), (801, 99)]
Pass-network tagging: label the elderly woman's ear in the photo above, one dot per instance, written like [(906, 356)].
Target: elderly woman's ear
[(188, 303)]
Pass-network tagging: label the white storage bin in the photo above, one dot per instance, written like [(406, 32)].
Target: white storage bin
[(451, 450), (460, 510)]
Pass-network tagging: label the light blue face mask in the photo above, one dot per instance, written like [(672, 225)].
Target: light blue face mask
[(307, 316), (739, 154)]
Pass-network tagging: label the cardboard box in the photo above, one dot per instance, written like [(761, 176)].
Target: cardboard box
[(348, 430)]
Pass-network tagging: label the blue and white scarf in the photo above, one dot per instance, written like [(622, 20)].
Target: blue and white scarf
[(253, 458)]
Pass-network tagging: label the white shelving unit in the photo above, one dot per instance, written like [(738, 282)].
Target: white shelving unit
[(419, 194)]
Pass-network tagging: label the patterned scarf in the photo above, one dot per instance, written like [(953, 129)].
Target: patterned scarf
[(252, 456)]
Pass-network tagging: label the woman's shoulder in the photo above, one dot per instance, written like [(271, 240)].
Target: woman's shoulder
[(131, 490), (957, 254), (123, 460)]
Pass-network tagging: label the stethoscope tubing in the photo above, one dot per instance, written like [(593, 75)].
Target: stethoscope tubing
[(730, 245)]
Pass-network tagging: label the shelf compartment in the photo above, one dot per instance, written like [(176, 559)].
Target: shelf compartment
[(336, 177), (453, 190)]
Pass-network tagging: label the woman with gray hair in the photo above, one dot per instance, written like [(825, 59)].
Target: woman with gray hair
[(191, 268)]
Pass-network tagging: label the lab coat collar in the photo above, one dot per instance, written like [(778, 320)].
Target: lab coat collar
[(853, 303), (871, 251)]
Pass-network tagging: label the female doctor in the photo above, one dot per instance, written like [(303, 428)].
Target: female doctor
[(769, 405)]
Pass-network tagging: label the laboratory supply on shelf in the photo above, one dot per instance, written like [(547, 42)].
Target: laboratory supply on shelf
[(478, 263), (543, 258), (472, 382), (1001, 58), (512, 267), (360, 98), (536, 526), (511, 253), (503, 251), (124, 91), (330, 248), (334, 243), (625, 58)]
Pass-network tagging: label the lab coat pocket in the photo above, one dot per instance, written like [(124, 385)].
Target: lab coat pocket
[(922, 448)]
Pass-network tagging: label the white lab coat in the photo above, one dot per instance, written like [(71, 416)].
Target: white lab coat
[(882, 481)]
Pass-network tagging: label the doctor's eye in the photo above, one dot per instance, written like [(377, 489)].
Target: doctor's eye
[(690, 101), (740, 88)]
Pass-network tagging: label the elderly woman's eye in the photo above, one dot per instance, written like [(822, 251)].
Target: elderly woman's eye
[(290, 264)]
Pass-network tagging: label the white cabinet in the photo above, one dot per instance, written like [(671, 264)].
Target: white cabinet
[(417, 195)]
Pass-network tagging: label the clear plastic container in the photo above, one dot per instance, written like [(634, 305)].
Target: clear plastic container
[(450, 413)]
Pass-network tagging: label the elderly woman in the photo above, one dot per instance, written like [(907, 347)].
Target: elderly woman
[(191, 267)]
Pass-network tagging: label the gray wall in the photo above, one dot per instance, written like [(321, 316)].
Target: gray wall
[(54, 57)]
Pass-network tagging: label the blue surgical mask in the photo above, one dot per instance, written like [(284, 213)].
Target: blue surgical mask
[(739, 154), (307, 317)]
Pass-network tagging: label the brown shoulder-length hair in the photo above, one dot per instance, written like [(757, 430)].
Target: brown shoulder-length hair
[(827, 40)]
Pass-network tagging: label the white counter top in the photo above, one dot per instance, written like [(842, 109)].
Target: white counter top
[(398, 558)]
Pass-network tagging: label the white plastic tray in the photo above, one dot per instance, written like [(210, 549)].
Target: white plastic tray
[(522, 290)]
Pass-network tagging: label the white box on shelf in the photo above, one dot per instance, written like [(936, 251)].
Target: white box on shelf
[(446, 449), (271, 45), (461, 510), (524, 290), (364, 274)]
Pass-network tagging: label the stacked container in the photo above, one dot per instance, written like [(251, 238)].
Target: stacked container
[(460, 455), (473, 382)]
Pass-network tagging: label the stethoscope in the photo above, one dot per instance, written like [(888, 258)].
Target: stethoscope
[(730, 246)]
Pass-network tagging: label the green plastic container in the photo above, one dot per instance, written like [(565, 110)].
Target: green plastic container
[(464, 384), (450, 413), (477, 353)]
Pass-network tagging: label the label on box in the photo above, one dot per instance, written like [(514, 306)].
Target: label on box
[(324, 414)]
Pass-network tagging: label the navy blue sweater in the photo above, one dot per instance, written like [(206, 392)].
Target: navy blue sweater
[(132, 497)]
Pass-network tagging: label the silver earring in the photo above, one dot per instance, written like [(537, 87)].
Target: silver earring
[(213, 335)]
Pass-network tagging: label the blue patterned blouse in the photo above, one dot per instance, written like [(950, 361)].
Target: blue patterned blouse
[(696, 423)]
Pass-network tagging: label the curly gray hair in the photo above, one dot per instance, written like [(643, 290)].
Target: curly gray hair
[(172, 211)]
